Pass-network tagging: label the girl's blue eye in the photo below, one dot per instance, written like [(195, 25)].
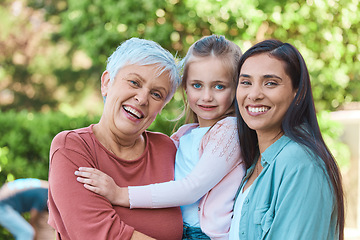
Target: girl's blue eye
[(197, 85), (219, 87)]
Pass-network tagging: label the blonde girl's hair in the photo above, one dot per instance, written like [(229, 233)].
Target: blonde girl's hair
[(217, 46)]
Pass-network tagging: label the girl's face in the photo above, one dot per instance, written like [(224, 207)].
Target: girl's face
[(264, 93), (210, 90)]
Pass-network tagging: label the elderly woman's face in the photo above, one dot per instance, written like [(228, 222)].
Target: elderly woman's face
[(136, 96), (264, 93)]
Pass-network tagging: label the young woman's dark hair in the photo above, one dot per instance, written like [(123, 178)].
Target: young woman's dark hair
[(299, 123)]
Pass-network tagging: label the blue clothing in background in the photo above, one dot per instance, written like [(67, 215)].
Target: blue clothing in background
[(292, 197), (28, 199), (15, 223), (20, 196)]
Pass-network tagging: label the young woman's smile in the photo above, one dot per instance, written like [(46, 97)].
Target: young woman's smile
[(255, 110), (264, 93)]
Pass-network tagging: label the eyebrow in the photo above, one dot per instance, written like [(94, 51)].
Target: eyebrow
[(272, 76), (220, 82), (136, 75), (159, 88), (201, 81), (245, 75), (265, 76)]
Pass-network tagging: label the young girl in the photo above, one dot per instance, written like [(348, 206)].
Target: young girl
[(208, 166)]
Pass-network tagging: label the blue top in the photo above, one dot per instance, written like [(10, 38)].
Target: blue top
[(291, 198), (187, 156), (28, 195)]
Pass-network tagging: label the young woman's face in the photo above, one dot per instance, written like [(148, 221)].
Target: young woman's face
[(210, 91), (134, 98), (264, 93)]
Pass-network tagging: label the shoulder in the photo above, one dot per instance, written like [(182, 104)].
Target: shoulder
[(69, 137), (78, 140), (160, 147), (157, 135), (223, 129), (295, 158), (296, 167), (159, 139), (296, 154), (184, 129), (228, 123), (222, 138)]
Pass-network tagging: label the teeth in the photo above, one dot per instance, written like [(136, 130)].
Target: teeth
[(133, 111), (258, 109)]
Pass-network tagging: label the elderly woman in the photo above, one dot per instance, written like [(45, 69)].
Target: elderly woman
[(140, 78)]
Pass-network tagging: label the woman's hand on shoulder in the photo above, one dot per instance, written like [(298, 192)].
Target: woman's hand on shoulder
[(101, 183)]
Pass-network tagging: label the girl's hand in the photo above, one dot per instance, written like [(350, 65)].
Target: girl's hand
[(100, 183)]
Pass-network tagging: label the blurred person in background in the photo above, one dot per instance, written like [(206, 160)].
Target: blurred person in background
[(21, 196)]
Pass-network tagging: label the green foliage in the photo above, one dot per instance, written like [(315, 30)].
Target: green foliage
[(26, 138), (35, 73), (25, 143), (59, 60), (326, 33), (169, 120)]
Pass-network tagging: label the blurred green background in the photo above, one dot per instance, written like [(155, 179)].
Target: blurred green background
[(52, 54)]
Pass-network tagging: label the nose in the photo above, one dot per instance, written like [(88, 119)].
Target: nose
[(207, 95), (142, 97), (255, 93)]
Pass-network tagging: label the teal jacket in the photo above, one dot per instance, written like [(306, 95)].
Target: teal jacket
[(292, 197)]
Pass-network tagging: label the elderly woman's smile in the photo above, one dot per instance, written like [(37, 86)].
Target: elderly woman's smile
[(133, 112), (134, 98)]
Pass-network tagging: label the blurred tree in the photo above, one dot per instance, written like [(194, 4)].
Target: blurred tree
[(59, 48), (52, 53), (36, 73)]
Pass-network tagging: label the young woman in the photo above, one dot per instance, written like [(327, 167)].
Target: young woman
[(208, 150), (292, 188)]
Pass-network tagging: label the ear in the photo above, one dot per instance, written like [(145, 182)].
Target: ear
[(295, 92), (105, 83)]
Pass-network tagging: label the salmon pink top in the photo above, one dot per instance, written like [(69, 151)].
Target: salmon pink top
[(77, 213)]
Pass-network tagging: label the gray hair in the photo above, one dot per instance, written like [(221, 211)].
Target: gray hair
[(144, 52)]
